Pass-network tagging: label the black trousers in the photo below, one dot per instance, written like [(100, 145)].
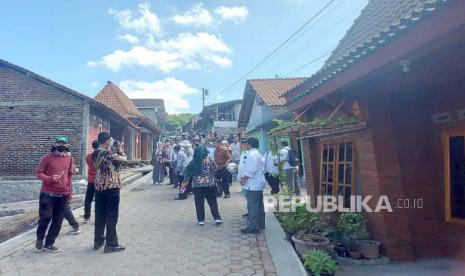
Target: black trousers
[(90, 193), (106, 216), (171, 175), (200, 195), (273, 182), (51, 209), (70, 217), (224, 180)]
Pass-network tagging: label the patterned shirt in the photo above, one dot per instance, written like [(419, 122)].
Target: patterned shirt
[(108, 167), (206, 178)]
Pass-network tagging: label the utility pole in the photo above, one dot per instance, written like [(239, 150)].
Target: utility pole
[(204, 93)]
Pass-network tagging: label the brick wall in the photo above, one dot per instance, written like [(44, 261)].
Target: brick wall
[(30, 113), (97, 124)]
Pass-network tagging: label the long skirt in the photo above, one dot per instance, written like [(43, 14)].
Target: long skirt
[(158, 173)]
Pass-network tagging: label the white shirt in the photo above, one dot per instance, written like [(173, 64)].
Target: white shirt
[(236, 151), (211, 153), (241, 166), (254, 170), (284, 156), (271, 161)]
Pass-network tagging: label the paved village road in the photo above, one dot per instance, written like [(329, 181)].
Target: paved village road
[(162, 238)]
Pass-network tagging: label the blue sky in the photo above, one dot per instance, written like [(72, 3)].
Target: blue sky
[(169, 49)]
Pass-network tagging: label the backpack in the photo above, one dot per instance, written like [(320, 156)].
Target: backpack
[(292, 158)]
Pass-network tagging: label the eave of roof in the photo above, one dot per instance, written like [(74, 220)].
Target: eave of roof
[(65, 89), (339, 66)]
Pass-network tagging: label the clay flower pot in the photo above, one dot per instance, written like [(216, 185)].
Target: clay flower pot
[(355, 254), (305, 242), (369, 248)]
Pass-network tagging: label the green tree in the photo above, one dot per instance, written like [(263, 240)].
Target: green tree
[(175, 122)]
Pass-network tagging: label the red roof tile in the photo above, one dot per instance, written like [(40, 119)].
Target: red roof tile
[(271, 90), (115, 98)]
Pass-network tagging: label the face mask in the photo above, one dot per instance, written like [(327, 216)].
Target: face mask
[(61, 148)]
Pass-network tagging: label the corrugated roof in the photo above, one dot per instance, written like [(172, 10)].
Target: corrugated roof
[(379, 22), (113, 97), (271, 90)]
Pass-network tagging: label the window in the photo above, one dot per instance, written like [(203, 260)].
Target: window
[(454, 171), (336, 175)]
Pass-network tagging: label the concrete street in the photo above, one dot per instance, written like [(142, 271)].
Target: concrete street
[(162, 238)]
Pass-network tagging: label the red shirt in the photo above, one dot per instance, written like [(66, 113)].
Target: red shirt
[(91, 172), (54, 164)]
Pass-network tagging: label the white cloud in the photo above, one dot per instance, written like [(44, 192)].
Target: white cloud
[(94, 84), (186, 51), (148, 22), (169, 89), (235, 14), (129, 38), (197, 16)]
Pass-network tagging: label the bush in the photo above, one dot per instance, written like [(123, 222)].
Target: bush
[(319, 262), (352, 226)]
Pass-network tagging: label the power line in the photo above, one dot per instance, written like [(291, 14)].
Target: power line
[(308, 63), (324, 33), (277, 49)]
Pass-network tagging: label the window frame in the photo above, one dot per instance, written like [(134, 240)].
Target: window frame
[(446, 134), (335, 183)]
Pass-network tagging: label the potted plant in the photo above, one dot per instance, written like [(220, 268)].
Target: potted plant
[(369, 248), (352, 227), (314, 236), (319, 263)]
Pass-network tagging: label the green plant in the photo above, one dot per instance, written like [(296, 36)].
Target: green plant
[(319, 262), (352, 226)]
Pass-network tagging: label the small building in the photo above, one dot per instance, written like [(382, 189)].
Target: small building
[(154, 109), (262, 103), (139, 142), (34, 110), (220, 117), (386, 117)]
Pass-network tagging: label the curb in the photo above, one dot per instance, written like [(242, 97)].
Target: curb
[(12, 245), (285, 259)]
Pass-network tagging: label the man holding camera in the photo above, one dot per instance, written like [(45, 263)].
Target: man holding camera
[(107, 192)]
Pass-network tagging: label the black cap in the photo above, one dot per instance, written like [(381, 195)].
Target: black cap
[(103, 137)]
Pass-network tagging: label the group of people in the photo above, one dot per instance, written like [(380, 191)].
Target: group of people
[(104, 183), (196, 167), (205, 166)]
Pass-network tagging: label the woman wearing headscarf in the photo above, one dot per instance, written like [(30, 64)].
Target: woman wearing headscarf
[(158, 161), (201, 170)]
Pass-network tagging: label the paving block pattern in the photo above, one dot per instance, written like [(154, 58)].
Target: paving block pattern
[(162, 238)]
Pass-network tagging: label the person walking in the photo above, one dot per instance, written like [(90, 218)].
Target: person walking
[(253, 182), (90, 192), (222, 157), (55, 170), (158, 162), (272, 169), (201, 170), (181, 164), (290, 163), (107, 195)]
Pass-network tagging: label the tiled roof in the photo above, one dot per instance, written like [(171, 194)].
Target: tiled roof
[(379, 22), (271, 90), (113, 97)]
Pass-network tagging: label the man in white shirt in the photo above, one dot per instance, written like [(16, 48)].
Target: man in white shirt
[(291, 172), (253, 182), (236, 150), (272, 169)]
